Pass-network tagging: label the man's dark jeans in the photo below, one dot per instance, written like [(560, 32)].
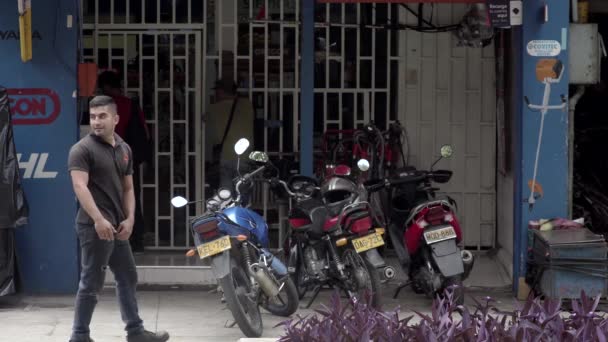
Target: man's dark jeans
[(97, 255)]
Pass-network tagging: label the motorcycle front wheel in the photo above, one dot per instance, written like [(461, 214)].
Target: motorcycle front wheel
[(362, 277), (238, 294)]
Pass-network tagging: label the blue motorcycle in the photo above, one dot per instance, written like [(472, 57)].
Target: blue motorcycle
[(235, 238)]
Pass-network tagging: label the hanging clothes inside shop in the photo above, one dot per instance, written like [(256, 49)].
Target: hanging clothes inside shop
[(13, 206)]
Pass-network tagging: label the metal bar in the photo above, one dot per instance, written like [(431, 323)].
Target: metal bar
[(281, 76), (190, 21), (112, 11), (158, 11), (219, 42), (296, 92), (187, 124), (199, 75), (173, 19), (156, 225), (251, 81), (235, 40), (307, 88), (128, 12), (266, 97), (171, 137), (388, 67)]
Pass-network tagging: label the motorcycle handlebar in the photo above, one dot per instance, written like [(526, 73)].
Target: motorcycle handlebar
[(418, 177)]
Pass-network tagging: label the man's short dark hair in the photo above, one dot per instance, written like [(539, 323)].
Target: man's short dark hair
[(108, 78), (102, 101)]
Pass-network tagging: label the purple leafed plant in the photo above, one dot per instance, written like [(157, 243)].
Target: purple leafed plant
[(536, 321)]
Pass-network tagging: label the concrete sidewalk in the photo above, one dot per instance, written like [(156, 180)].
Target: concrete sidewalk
[(189, 314)]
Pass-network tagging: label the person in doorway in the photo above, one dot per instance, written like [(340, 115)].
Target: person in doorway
[(230, 118), (101, 169), (133, 129)]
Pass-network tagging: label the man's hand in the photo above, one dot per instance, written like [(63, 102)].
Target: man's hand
[(104, 229), (125, 228)]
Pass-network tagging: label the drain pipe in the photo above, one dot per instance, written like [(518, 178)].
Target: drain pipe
[(580, 91)]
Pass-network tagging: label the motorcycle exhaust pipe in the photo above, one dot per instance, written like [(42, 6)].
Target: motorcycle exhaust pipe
[(267, 284), (468, 261)]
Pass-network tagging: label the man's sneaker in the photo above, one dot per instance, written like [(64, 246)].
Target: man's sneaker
[(148, 336)]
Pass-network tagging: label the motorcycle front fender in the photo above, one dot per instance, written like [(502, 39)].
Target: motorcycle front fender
[(374, 258), (220, 264), (447, 257)]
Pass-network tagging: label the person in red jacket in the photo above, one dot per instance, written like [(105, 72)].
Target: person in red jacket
[(133, 129)]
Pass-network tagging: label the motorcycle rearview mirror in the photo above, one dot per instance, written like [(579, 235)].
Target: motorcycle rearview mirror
[(178, 201), (258, 156), (363, 165), (241, 146), (446, 152)]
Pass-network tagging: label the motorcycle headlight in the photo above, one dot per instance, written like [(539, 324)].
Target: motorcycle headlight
[(224, 194)]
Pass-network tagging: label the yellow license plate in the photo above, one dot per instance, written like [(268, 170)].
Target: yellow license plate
[(214, 247), (368, 242), (438, 235)]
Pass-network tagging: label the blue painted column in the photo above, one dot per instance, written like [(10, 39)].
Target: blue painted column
[(542, 43), (307, 88), (43, 106)]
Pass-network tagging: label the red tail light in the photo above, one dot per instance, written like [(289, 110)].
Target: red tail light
[(207, 230), (435, 215), (361, 226), (210, 234)]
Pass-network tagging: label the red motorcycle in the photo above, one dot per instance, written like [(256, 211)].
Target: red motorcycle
[(425, 231), (333, 241)]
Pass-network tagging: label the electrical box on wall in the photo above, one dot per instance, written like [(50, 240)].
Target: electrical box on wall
[(585, 54)]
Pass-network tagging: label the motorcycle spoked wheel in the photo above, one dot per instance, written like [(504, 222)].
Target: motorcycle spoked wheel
[(238, 294), (362, 277)]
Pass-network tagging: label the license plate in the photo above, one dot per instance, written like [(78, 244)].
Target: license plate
[(368, 242), (438, 235), (214, 247)]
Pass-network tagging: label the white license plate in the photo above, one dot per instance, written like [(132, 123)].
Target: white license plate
[(440, 234), (214, 247)]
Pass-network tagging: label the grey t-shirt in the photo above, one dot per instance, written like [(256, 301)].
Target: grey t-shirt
[(107, 166)]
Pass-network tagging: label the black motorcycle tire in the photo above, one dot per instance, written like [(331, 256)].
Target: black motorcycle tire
[(290, 303), (245, 311), (297, 278), (457, 289), (369, 271)]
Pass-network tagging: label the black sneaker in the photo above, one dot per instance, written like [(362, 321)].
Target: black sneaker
[(148, 336)]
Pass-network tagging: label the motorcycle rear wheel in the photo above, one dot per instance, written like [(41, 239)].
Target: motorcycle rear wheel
[(363, 277), (237, 292)]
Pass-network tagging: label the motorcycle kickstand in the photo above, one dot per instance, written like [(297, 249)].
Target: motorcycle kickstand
[(406, 284), (314, 296)]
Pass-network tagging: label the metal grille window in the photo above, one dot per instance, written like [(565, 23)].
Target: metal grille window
[(170, 52)]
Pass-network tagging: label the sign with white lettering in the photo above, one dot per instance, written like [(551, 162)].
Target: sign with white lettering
[(544, 48)]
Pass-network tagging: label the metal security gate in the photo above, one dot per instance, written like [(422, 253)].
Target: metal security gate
[(363, 72), (162, 69)]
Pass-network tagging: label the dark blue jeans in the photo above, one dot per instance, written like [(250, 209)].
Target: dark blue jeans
[(97, 255)]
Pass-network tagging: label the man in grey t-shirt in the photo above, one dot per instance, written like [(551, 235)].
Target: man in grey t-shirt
[(101, 168)]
